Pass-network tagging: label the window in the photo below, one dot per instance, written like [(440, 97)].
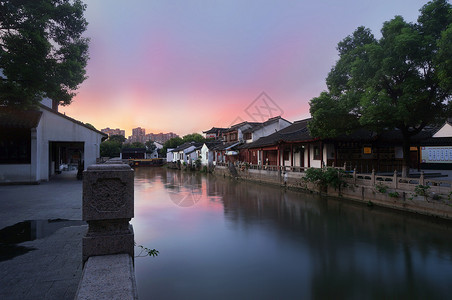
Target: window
[(316, 153), (15, 146), (367, 150), (247, 136), (286, 154)]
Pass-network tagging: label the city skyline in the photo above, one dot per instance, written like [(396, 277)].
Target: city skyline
[(187, 66)]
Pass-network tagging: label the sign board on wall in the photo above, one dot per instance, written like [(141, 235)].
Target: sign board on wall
[(436, 154)]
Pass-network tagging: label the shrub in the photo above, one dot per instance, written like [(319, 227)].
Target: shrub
[(198, 164), (394, 195), (381, 188), (325, 177), (421, 190)]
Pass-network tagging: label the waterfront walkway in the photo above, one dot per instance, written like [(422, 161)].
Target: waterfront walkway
[(48, 265)]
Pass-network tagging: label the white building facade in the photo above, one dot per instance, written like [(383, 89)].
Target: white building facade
[(53, 142)]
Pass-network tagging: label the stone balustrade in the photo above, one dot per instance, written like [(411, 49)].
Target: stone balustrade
[(108, 246)]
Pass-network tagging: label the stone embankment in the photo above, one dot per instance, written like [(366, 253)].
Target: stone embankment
[(415, 195)]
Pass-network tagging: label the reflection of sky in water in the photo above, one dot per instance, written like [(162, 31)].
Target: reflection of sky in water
[(239, 240)]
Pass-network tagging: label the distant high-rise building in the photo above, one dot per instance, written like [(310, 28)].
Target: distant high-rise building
[(160, 137), (138, 135), (116, 131)]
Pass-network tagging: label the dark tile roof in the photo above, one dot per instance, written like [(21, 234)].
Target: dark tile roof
[(186, 145), (215, 130), (274, 119), (13, 118), (237, 126), (212, 144), (393, 136), (439, 141), (225, 146)]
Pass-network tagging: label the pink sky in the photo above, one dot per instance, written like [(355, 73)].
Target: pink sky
[(185, 66)]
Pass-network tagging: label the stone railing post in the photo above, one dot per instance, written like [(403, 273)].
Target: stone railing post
[(108, 206), (421, 178), (372, 177)]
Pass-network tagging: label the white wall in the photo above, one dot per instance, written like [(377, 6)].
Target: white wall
[(314, 163), (268, 129), (17, 173), (204, 155), (185, 151), (445, 131), (56, 128), (169, 155)]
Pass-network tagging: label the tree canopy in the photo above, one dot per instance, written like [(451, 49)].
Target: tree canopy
[(42, 50), (177, 141), (117, 138), (133, 145), (193, 137), (402, 80), (150, 146), (110, 148)]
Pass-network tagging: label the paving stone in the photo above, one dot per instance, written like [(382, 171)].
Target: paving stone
[(53, 270)]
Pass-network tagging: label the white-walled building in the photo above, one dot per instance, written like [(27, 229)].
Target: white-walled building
[(155, 153), (266, 128), (180, 153), (207, 153), (36, 144)]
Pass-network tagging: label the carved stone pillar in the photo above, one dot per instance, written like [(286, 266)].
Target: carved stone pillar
[(108, 206)]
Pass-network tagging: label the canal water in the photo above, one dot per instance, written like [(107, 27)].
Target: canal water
[(225, 239)]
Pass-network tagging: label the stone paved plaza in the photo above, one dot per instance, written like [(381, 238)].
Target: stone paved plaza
[(50, 266)]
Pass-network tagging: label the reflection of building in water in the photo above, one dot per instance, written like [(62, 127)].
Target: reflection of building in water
[(184, 189)]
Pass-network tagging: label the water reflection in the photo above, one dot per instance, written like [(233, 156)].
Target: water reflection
[(242, 240), (29, 230)]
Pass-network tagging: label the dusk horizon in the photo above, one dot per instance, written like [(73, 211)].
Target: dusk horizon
[(186, 67)]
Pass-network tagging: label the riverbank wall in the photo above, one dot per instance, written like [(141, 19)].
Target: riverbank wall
[(418, 195)]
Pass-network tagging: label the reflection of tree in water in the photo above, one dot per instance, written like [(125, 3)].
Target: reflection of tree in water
[(355, 252), (184, 189)]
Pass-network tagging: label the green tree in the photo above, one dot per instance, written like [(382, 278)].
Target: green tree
[(90, 126), (133, 145), (150, 146), (171, 144), (400, 81), (117, 138), (110, 149), (193, 137), (42, 51)]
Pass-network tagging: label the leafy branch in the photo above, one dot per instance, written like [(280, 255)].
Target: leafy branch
[(144, 252)]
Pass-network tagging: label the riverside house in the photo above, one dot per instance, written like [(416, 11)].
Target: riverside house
[(180, 152), (207, 153), (295, 148), (244, 132)]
